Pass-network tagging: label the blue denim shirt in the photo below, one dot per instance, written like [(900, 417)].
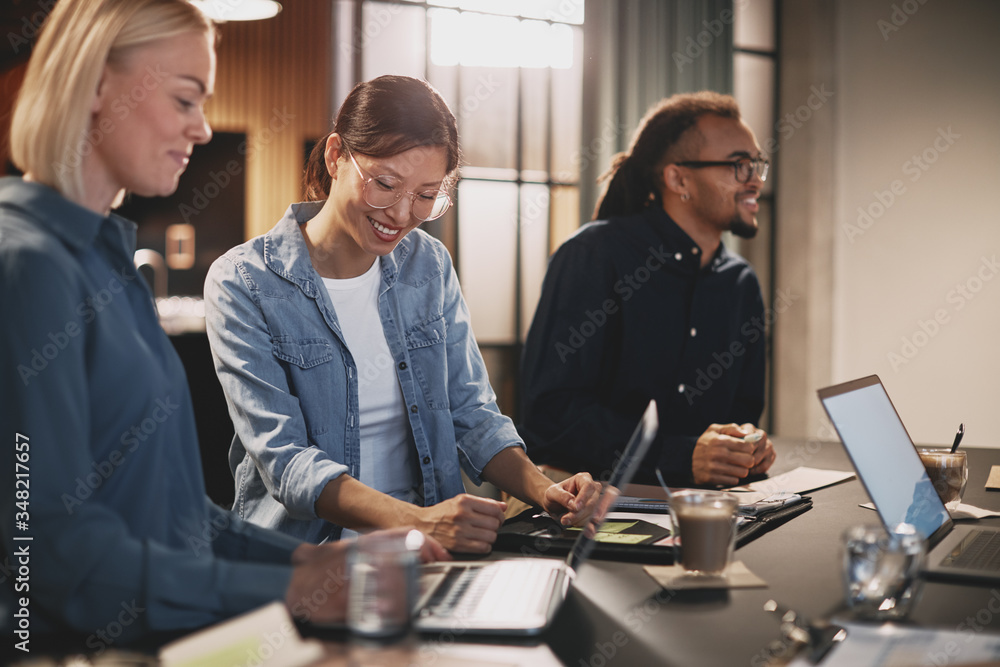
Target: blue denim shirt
[(95, 407), (292, 384)]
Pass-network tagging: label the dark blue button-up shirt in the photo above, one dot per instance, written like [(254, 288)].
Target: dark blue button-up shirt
[(626, 315), (101, 467)]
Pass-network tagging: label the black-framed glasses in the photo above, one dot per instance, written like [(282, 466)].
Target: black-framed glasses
[(385, 190), (744, 168)]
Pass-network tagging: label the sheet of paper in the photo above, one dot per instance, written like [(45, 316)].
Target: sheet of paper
[(892, 645), (964, 511), (799, 480)]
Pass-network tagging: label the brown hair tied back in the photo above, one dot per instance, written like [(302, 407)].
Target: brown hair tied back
[(384, 117), (635, 177)]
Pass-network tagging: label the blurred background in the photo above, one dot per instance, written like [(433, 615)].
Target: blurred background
[(879, 236)]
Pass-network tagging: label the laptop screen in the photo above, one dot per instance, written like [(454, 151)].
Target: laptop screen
[(884, 456), (621, 476)]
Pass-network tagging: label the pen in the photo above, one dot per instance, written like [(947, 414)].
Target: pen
[(958, 436)]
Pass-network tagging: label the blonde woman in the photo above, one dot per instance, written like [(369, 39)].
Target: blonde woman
[(96, 410)]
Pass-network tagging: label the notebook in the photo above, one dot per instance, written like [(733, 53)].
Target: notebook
[(519, 596), (890, 469)]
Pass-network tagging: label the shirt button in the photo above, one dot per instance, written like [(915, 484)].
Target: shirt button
[(426, 460), (694, 250), (678, 257), (413, 409), (402, 365), (694, 332), (680, 389)]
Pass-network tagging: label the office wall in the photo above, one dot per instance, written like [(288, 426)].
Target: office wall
[(902, 266)]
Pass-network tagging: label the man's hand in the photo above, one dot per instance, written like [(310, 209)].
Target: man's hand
[(575, 499), (721, 456), (465, 523), (763, 454)]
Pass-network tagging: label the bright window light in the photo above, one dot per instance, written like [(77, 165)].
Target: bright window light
[(561, 11), (483, 40)]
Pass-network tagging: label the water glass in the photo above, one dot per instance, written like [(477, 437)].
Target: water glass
[(881, 570), (383, 584)]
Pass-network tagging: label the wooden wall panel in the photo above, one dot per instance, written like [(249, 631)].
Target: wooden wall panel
[(273, 82)]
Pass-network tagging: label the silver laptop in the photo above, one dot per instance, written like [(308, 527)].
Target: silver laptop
[(518, 596), (890, 469)]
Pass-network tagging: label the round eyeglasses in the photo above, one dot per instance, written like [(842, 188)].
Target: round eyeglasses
[(743, 168), (385, 190)]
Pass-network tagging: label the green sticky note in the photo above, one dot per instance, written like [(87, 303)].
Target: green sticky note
[(621, 538), (611, 526)]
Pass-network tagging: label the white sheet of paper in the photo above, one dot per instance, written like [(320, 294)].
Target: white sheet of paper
[(799, 480), (890, 645), (962, 512)]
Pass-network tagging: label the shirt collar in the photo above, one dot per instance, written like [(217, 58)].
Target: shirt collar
[(286, 254), (75, 225), (678, 240)]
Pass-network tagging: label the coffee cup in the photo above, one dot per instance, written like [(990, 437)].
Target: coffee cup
[(705, 522), (948, 472)]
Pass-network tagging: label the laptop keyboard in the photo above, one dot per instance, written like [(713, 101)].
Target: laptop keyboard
[(499, 591), (980, 551)]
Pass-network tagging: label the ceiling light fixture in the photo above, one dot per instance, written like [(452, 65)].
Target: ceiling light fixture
[(238, 10)]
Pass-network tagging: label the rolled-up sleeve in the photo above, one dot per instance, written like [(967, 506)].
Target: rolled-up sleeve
[(266, 414)]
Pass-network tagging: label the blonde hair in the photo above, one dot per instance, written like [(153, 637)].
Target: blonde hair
[(50, 130)]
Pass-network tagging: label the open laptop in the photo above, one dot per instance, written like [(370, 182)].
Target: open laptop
[(518, 596), (890, 469)]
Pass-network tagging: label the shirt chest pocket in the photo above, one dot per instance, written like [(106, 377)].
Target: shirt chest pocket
[(427, 350)]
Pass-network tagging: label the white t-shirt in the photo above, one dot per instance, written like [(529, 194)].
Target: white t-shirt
[(388, 452)]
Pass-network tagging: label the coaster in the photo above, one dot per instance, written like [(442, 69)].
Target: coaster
[(675, 578), (993, 483)]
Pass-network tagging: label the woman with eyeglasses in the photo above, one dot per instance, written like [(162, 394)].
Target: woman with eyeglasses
[(345, 350), (102, 500)]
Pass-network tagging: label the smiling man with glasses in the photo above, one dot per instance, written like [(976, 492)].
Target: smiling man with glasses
[(647, 303)]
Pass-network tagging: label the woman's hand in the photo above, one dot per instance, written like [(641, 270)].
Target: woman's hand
[(573, 500), (465, 523)]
